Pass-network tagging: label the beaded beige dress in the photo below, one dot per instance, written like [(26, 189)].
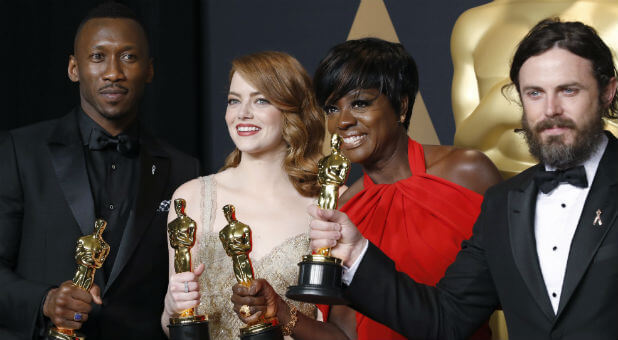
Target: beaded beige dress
[(278, 267)]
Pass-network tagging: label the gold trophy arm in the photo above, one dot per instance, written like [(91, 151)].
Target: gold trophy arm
[(105, 254)]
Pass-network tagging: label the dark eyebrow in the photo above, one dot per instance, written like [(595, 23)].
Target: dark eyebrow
[(573, 84), (536, 88), (124, 48), (252, 94)]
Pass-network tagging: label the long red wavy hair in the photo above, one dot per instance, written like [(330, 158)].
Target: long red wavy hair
[(286, 84)]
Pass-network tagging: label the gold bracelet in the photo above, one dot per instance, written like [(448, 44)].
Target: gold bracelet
[(289, 327)]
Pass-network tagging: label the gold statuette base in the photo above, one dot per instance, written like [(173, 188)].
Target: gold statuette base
[(64, 334), (321, 258), (186, 320), (261, 331)]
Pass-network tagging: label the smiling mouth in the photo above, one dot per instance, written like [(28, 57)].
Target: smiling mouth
[(351, 142), (245, 130)]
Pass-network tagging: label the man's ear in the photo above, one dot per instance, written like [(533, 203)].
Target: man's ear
[(150, 71), (72, 69), (609, 92)]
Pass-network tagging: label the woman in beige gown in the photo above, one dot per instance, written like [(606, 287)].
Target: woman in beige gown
[(270, 178)]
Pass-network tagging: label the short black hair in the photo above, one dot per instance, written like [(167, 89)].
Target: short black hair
[(368, 63), (110, 9), (575, 37)]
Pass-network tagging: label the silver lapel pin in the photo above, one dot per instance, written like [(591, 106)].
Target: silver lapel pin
[(597, 219), (154, 168)]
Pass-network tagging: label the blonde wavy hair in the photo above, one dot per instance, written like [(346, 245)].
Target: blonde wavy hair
[(286, 84)]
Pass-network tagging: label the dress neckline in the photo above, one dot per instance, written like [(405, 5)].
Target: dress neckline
[(416, 161)]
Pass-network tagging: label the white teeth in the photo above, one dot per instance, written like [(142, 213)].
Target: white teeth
[(352, 139), (247, 128)]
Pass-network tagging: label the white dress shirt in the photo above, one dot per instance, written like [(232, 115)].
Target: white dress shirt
[(556, 217)]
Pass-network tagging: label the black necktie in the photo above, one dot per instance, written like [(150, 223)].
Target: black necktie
[(549, 180), (123, 143)]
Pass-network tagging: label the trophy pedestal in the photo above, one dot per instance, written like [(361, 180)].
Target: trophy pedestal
[(63, 334), (261, 331), (189, 328), (319, 281)]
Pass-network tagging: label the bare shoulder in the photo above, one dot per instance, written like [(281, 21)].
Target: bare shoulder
[(227, 179), (189, 189), (466, 167)]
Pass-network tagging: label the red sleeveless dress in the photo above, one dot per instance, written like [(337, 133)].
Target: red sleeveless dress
[(418, 222)]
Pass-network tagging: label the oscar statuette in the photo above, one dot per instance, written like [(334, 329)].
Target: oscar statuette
[(319, 276), (90, 253), (236, 240), (182, 231)]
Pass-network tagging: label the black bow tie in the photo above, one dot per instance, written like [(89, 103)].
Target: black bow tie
[(123, 143), (549, 180)]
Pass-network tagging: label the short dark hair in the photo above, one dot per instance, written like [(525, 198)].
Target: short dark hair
[(366, 64), (575, 37), (110, 9)]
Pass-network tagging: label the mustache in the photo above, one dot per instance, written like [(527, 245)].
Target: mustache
[(113, 86), (560, 122)]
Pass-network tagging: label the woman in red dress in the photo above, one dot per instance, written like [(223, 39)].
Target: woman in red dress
[(417, 203)]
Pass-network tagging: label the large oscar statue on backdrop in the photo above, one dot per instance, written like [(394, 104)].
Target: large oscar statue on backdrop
[(182, 231), (482, 44), (319, 277), (90, 253), (236, 240)]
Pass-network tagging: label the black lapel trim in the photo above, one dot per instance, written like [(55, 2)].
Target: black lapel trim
[(67, 155), (603, 195), (521, 210), (154, 177)]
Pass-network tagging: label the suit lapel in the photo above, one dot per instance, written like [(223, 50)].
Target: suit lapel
[(588, 237), (521, 210), (67, 155), (153, 179)]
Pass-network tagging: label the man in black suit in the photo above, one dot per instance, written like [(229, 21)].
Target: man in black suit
[(57, 177), (545, 245)]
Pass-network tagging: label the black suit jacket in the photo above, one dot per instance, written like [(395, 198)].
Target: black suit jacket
[(499, 265), (46, 205)]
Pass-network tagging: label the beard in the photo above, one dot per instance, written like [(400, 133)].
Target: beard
[(554, 152)]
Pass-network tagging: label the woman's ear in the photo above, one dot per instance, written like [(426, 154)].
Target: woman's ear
[(404, 109)]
